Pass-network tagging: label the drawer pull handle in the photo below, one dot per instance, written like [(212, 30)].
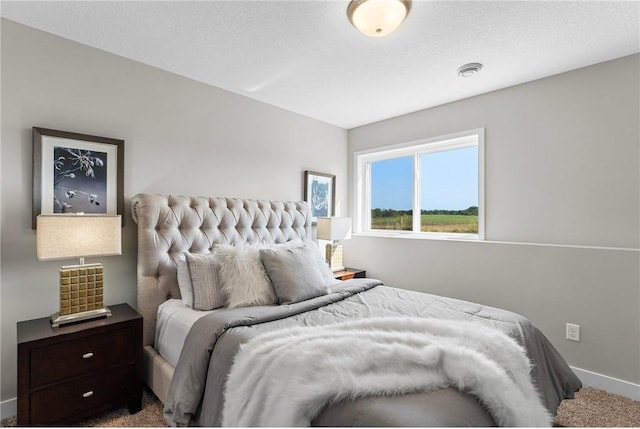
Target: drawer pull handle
[(87, 394), (87, 355)]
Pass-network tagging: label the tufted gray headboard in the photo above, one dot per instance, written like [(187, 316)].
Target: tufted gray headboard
[(169, 225)]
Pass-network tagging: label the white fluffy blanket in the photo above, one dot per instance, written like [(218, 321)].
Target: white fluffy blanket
[(286, 377)]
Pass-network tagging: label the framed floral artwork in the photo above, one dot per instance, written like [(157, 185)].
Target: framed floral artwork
[(77, 173), (320, 193)]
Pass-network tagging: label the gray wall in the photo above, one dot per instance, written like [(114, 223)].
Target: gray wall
[(562, 168), (181, 137)]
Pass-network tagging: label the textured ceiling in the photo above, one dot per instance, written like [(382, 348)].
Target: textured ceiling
[(305, 56)]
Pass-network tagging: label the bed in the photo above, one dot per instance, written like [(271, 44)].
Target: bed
[(193, 360)]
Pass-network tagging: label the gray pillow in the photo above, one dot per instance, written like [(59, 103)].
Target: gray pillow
[(203, 269), (325, 271), (294, 273)]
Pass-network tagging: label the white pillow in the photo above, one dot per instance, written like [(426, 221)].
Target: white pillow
[(324, 268), (242, 277), (184, 281), (203, 270)]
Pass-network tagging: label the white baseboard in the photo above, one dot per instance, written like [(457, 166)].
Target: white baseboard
[(8, 408), (610, 384)]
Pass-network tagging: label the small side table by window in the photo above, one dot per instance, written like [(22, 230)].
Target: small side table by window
[(350, 273), (77, 371)]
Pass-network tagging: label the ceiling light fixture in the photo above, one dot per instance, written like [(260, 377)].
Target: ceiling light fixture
[(469, 69), (377, 18)]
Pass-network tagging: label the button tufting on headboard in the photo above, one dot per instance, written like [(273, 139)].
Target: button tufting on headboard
[(168, 225)]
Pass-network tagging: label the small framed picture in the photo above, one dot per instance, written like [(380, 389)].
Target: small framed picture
[(320, 193), (76, 173)]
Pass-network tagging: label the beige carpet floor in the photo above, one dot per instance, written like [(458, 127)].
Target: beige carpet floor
[(590, 408), (597, 408)]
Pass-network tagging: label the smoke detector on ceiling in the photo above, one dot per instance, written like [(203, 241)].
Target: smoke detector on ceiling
[(469, 69)]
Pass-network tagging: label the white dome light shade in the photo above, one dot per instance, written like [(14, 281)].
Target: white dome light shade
[(377, 18)]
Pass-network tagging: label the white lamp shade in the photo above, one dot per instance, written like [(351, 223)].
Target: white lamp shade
[(78, 236), (334, 228), (377, 18)]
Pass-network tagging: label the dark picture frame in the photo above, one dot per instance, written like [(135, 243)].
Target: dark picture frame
[(320, 193), (75, 172)]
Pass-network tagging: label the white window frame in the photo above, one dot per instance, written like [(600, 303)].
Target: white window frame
[(362, 182)]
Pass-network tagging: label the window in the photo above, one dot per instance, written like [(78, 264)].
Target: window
[(433, 187)]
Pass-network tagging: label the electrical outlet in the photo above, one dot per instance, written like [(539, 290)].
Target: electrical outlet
[(573, 332)]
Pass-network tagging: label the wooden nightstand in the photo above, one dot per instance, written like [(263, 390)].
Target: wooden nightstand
[(349, 273), (70, 373)]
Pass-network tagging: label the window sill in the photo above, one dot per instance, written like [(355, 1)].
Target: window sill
[(421, 235)]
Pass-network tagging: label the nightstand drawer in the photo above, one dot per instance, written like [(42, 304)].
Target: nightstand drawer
[(55, 404), (67, 359)]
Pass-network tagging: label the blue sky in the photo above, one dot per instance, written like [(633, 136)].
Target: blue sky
[(449, 181)]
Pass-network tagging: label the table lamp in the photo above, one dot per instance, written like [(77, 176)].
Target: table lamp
[(62, 236), (335, 229)]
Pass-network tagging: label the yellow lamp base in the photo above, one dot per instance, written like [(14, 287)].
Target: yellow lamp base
[(334, 256), (81, 294)]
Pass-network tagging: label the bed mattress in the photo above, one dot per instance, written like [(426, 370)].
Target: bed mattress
[(196, 395), (174, 321)]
